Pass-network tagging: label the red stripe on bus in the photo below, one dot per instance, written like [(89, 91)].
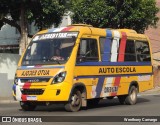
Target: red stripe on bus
[(25, 86), (121, 55), (116, 83), (67, 29), (122, 47)]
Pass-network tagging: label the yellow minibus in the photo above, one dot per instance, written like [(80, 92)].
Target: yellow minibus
[(79, 64)]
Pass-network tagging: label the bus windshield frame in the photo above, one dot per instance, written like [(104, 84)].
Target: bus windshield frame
[(50, 49)]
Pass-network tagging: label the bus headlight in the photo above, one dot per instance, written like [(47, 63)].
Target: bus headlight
[(59, 77)]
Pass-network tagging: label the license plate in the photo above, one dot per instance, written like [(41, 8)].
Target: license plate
[(33, 98)]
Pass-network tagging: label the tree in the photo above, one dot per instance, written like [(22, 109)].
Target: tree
[(43, 13), (134, 14)]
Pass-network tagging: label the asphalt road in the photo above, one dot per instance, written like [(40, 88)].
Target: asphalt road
[(147, 105)]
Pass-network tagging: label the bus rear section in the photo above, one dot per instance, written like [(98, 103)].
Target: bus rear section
[(118, 64)]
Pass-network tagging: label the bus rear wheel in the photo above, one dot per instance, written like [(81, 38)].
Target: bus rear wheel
[(75, 102), (131, 98), (27, 106)]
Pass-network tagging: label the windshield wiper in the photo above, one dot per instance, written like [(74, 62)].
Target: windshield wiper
[(57, 62)]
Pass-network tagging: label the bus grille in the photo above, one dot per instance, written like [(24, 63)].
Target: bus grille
[(32, 91)]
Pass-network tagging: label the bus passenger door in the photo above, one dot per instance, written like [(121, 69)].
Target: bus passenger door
[(86, 70)]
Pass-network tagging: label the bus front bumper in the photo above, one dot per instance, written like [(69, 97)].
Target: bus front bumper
[(56, 92)]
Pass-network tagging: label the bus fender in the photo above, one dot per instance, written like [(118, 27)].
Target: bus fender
[(81, 87)]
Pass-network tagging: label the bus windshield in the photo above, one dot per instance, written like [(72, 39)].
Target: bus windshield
[(48, 50)]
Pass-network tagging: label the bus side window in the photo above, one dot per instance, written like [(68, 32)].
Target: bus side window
[(88, 50), (142, 51), (130, 51)]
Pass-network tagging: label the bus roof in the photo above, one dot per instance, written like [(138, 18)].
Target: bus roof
[(90, 30)]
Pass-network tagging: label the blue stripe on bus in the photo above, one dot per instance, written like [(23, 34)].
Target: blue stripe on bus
[(99, 86), (116, 75), (107, 46), (114, 64)]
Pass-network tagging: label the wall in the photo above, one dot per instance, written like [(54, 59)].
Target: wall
[(156, 78), (8, 66), (153, 33), (156, 65)]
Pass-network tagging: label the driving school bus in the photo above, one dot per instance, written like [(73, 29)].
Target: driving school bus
[(78, 65)]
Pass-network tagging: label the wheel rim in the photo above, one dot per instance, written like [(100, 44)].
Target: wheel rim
[(133, 95), (75, 100)]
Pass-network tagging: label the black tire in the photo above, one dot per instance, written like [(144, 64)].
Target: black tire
[(122, 99), (93, 102), (75, 102), (131, 98), (27, 106)]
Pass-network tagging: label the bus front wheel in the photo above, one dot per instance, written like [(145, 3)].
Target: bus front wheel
[(75, 103), (27, 106)]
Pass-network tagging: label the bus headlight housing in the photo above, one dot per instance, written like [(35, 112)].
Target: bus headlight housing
[(59, 77)]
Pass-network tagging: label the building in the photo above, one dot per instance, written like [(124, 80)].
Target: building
[(154, 35), (156, 67)]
